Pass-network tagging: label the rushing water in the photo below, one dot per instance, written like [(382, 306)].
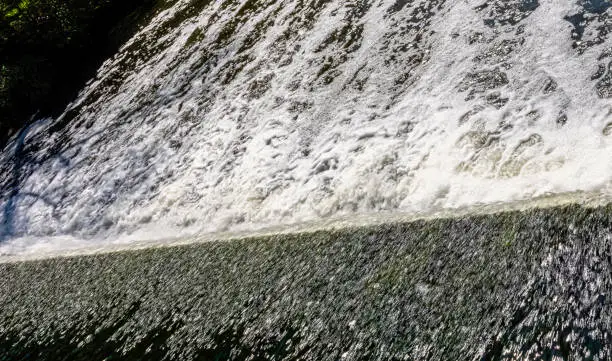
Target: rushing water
[(240, 114)]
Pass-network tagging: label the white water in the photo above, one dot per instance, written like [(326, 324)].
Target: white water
[(165, 143)]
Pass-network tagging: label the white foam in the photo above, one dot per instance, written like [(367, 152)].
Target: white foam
[(174, 152)]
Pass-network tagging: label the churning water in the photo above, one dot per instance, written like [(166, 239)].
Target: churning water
[(239, 114)]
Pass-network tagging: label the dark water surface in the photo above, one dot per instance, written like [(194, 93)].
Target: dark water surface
[(531, 285)]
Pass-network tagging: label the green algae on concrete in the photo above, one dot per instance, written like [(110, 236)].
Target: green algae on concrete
[(530, 285)]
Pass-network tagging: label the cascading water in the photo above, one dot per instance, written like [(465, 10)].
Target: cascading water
[(241, 114)]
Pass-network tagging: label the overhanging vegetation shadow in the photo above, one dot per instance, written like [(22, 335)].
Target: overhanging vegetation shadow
[(23, 165)]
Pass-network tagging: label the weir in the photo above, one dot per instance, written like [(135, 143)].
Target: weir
[(249, 118), (241, 115)]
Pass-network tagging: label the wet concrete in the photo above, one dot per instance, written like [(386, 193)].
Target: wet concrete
[(532, 285)]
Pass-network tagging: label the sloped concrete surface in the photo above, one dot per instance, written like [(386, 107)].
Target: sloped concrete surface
[(531, 285)]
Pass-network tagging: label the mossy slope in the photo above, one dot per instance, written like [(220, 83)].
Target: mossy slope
[(530, 285)]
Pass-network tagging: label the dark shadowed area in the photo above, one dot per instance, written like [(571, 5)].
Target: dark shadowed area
[(50, 48)]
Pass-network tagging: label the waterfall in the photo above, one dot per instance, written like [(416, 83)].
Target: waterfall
[(237, 115)]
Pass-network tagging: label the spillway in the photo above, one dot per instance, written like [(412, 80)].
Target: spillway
[(241, 115), (322, 180)]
